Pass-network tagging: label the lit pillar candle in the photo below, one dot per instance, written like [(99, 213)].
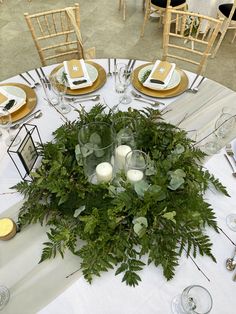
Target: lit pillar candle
[(120, 154), (134, 175), (104, 172)]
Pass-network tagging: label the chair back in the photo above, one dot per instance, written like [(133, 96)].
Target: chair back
[(151, 8), (189, 37), (56, 34)]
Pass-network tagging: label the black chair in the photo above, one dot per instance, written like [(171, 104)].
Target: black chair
[(227, 11), (159, 6)]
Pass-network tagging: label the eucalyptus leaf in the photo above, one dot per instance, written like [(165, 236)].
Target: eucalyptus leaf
[(95, 138), (141, 187), (79, 210)]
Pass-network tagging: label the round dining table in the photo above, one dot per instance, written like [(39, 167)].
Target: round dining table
[(57, 286)]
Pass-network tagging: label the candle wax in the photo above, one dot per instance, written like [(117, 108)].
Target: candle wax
[(104, 172), (134, 175), (120, 154)]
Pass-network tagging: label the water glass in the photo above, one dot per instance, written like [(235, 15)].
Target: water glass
[(5, 124), (224, 125), (97, 141), (124, 78), (4, 296), (119, 86), (60, 90), (231, 221), (194, 299), (125, 128)]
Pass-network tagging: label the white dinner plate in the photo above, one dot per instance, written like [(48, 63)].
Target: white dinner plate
[(17, 94), (92, 72), (174, 81)]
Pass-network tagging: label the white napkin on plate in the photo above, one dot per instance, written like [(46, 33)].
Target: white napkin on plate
[(19, 101), (157, 86), (81, 78)]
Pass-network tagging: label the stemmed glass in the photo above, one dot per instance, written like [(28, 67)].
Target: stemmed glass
[(194, 299), (60, 90), (124, 78), (5, 123), (231, 221), (223, 127), (4, 296)]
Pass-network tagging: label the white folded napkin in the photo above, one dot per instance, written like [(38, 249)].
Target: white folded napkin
[(165, 81), (73, 65), (5, 97)]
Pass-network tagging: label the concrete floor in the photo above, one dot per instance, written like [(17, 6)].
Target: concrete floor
[(102, 27)]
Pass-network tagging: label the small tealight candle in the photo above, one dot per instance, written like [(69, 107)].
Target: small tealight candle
[(104, 172), (7, 229), (120, 154), (134, 175)]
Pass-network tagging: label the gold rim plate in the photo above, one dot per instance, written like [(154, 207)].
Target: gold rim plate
[(183, 85), (100, 81), (28, 107)]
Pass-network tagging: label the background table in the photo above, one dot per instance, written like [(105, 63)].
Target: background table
[(44, 289)]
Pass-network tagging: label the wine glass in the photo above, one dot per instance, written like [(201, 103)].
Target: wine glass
[(194, 299), (124, 78), (231, 221), (224, 125), (4, 296), (5, 124), (60, 90)]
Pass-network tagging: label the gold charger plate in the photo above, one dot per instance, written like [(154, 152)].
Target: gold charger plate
[(100, 81), (183, 85), (31, 100)]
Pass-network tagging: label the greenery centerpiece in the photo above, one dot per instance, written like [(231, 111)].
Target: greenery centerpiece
[(116, 224)]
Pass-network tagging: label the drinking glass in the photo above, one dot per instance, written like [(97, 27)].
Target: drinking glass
[(135, 165), (194, 299), (4, 296), (125, 128), (5, 123), (60, 90), (224, 125), (124, 78), (119, 87), (231, 221)]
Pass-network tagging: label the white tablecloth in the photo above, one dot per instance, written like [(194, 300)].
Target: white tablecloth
[(44, 289), (206, 7)]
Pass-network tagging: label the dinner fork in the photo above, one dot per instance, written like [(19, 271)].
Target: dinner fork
[(147, 100), (191, 86)]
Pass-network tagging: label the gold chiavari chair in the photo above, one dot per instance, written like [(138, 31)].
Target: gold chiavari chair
[(123, 5), (56, 34), (227, 11), (159, 6), (191, 38)]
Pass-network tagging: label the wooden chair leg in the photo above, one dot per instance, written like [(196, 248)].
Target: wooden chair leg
[(124, 10), (218, 44), (146, 17), (233, 37), (119, 8)]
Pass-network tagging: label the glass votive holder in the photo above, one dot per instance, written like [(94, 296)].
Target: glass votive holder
[(97, 142), (4, 296), (125, 129), (135, 166)]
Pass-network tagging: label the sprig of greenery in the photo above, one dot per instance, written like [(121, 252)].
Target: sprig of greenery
[(117, 223)]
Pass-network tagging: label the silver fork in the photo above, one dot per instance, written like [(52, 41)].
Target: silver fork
[(147, 100)]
